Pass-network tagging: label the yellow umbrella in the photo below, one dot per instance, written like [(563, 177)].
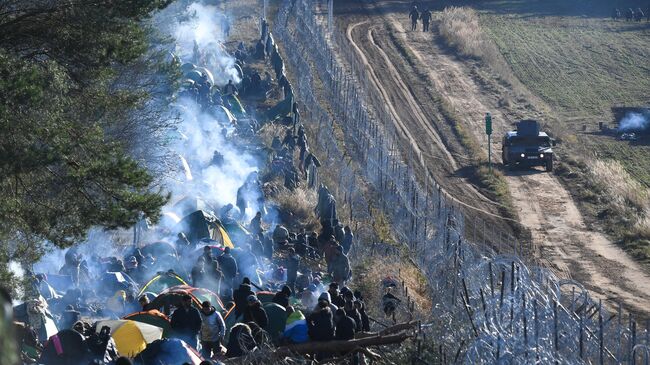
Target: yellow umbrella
[(131, 337)]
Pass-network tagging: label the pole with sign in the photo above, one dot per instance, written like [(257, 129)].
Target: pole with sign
[(488, 131)]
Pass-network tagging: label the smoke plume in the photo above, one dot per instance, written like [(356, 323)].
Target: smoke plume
[(634, 122)]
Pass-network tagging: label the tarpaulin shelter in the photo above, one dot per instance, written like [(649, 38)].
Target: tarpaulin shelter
[(131, 337), (60, 283), (36, 314), (66, 347), (114, 281), (201, 224), (158, 249), (154, 318), (161, 282), (168, 351)]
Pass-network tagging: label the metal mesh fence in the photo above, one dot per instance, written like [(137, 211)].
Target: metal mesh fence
[(492, 300)]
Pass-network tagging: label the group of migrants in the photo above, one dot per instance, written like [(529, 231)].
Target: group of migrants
[(212, 295), (424, 16), (631, 14)]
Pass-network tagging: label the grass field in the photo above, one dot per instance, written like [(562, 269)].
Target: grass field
[(580, 66)]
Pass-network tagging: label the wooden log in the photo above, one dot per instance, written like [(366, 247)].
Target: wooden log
[(338, 346)]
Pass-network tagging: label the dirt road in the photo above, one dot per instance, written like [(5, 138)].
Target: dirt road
[(544, 205)]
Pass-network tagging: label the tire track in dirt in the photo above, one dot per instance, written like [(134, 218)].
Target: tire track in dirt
[(544, 205), (417, 121)]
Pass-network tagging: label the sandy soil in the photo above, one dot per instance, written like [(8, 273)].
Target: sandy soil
[(559, 231)]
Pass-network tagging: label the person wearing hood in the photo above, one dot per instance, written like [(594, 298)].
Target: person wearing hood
[(295, 329), (282, 297), (335, 297), (240, 296), (309, 297), (320, 324), (240, 341), (186, 321), (325, 297), (213, 330), (345, 326), (255, 312)]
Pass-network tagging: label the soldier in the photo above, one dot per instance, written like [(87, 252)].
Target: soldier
[(629, 15), (426, 19), (414, 15), (616, 14), (638, 15)]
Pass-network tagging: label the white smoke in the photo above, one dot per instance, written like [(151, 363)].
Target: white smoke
[(633, 122), (202, 27), (196, 137)]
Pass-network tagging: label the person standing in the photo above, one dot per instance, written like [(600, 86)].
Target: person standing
[(228, 266), (348, 239), (186, 322), (213, 330), (426, 19), (414, 15)]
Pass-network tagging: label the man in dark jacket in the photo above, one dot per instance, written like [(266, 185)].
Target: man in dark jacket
[(293, 261), (348, 238), (414, 15), (344, 326), (241, 295), (255, 312), (228, 266), (282, 297), (256, 224), (426, 19), (336, 298), (186, 322), (320, 323)]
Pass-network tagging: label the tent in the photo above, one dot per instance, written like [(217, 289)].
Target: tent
[(161, 282), (131, 337), (199, 295), (223, 115), (201, 224), (236, 231), (235, 105), (157, 249), (154, 318), (168, 351)]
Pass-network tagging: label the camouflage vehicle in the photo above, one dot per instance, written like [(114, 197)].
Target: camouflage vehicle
[(528, 146)]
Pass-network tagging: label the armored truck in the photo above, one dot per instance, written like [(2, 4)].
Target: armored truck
[(528, 146)]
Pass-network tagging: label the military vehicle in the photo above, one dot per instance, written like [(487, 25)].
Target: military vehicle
[(528, 146)]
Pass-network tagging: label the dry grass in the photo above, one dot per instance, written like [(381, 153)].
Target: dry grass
[(299, 206), (460, 28), (625, 192)]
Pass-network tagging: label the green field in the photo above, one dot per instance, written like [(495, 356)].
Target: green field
[(580, 66)]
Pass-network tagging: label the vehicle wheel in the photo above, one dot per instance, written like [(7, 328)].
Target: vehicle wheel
[(549, 166)]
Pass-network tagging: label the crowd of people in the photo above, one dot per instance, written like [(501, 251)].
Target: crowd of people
[(224, 298)]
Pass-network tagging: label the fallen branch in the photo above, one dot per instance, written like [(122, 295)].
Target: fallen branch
[(387, 331), (338, 346)]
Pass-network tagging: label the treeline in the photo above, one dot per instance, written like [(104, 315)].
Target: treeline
[(80, 93)]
